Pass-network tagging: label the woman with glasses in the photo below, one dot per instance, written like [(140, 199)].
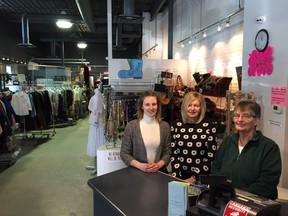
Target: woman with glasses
[(193, 140), (249, 159)]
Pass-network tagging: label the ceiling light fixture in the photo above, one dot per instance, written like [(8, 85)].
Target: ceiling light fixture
[(81, 45), (66, 24)]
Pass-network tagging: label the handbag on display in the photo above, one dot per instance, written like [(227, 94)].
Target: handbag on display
[(159, 87), (167, 78), (165, 98), (166, 74), (179, 88)]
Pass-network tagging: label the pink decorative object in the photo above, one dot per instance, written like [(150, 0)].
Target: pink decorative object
[(260, 63)]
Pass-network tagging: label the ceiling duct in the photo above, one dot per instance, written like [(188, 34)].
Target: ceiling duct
[(25, 33), (128, 12), (118, 45), (84, 7)]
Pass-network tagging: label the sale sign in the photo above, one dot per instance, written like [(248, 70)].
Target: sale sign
[(236, 209)]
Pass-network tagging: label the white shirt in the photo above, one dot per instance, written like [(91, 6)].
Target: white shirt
[(21, 103), (150, 131)]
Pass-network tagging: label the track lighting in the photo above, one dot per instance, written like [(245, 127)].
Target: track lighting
[(217, 24), (227, 23), (219, 27), (153, 48), (10, 59), (204, 34)]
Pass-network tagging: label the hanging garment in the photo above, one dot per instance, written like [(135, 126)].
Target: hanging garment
[(96, 136), (21, 103)]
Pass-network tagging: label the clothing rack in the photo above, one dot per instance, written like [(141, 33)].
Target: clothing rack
[(10, 145), (41, 133)]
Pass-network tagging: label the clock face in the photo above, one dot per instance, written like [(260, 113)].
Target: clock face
[(261, 40)]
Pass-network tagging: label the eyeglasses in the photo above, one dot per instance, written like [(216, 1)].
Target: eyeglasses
[(243, 116)]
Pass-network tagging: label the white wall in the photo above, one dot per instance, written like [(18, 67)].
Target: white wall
[(220, 52), (276, 24), (152, 35)]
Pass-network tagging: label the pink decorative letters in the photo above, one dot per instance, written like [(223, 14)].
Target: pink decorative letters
[(260, 63)]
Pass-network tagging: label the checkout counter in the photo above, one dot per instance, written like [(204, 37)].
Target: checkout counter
[(223, 199), (130, 192)]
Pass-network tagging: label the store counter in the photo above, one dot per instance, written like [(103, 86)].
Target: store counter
[(108, 159), (130, 191)]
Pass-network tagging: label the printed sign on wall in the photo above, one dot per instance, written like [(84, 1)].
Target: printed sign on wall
[(278, 95)]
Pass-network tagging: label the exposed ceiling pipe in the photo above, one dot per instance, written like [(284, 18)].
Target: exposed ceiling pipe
[(63, 53), (25, 33), (132, 24), (84, 7), (118, 45), (128, 11), (170, 29), (53, 48), (59, 61)]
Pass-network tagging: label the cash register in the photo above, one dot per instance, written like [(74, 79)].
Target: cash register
[(222, 199)]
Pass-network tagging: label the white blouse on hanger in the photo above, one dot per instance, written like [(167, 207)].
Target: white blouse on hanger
[(21, 103)]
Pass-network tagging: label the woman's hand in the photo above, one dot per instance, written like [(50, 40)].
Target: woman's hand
[(147, 167), (152, 167), (191, 180), (142, 166)]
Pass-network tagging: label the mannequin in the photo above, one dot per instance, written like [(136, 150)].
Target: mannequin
[(96, 136)]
